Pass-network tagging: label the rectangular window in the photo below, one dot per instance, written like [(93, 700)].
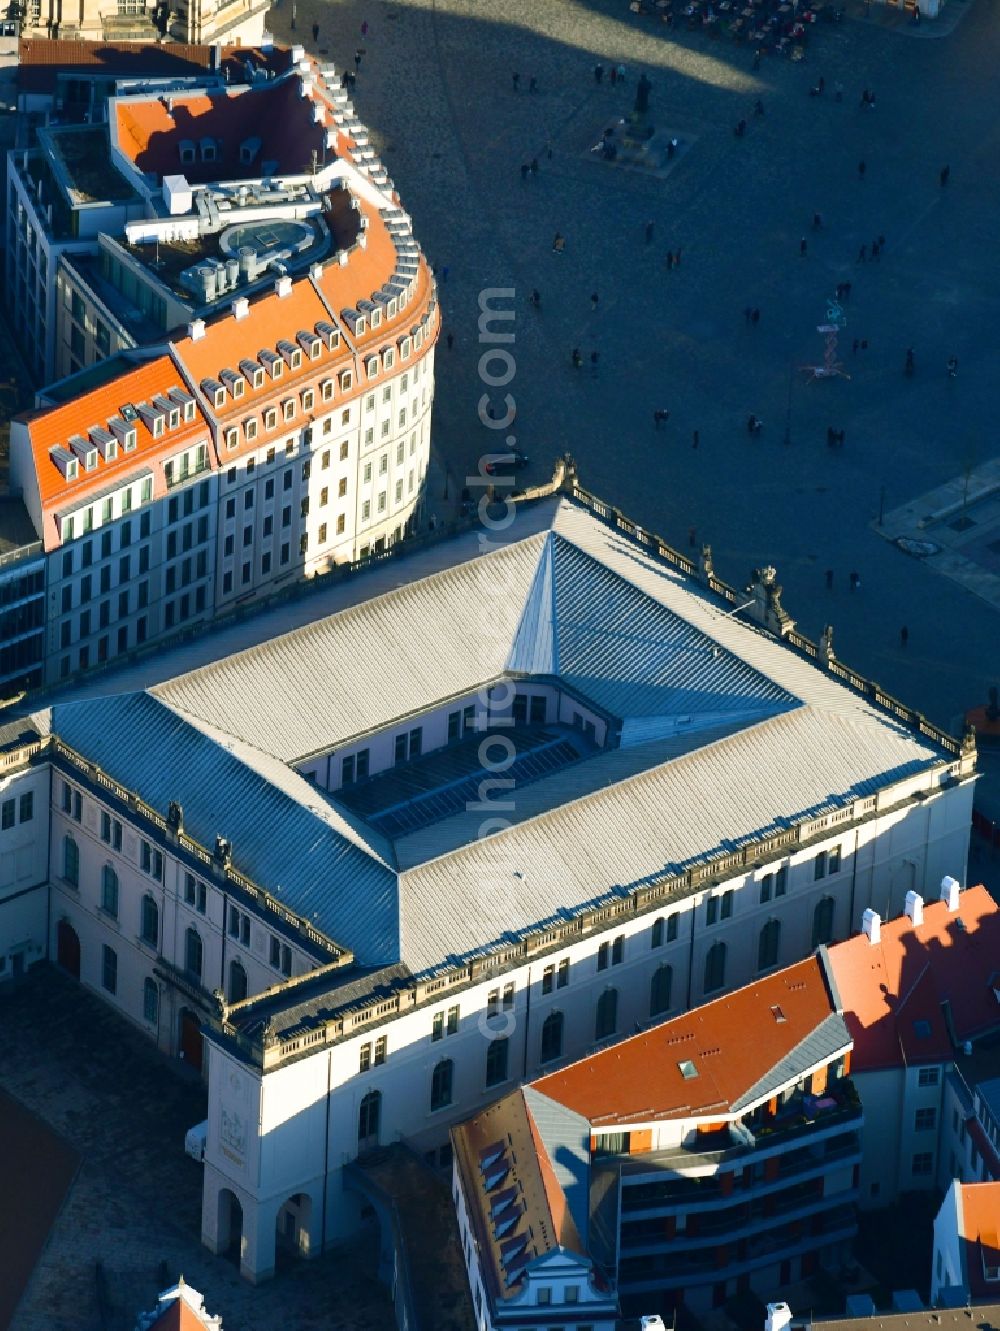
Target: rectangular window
[(819, 865), (712, 910), (508, 997), (562, 974), (437, 1026), (781, 881), (109, 970), (925, 1120), (928, 1076), (833, 863), (548, 979), (603, 956), (26, 809), (452, 1023), (381, 1047), (364, 1057), (7, 814), (923, 1163), (618, 950), (766, 887)]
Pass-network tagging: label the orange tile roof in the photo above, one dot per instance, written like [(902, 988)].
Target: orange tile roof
[(734, 1042), (979, 1220), (179, 1316), (55, 427), (543, 1218), (41, 60), (892, 992), (149, 131), (365, 272)]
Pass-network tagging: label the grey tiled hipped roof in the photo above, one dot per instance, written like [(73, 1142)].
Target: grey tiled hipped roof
[(722, 734), (819, 1047)]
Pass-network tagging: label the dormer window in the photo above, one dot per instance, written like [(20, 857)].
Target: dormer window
[(273, 362), (390, 308), (174, 419), (288, 409), (326, 390), (329, 334), (308, 399), (375, 317), (346, 380), (270, 418), (234, 382), (250, 428), (310, 344), (84, 451), (219, 397), (371, 366), (232, 437), (404, 348), (186, 148), (388, 358), (131, 439), (253, 372), (189, 411)]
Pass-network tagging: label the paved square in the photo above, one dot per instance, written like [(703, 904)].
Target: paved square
[(435, 85), (136, 1202)]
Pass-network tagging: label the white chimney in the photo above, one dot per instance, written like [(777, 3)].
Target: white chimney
[(298, 53), (241, 307), (914, 908), (196, 330), (283, 286), (779, 1315), (871, 925), (316, 271), (949, 892)]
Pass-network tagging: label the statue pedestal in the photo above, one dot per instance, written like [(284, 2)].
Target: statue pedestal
[(636, 144)]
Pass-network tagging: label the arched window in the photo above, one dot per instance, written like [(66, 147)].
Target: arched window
[(71, 861), (369, 1119), (237, 982), (496, 1060), (552, 1037), (768, 944), (150, 921), (193, 953), (715, 967), (607, 1015), (823, 921), (658, 927), (659, 990), (109, 891), (441, 1085), (150, 1001)]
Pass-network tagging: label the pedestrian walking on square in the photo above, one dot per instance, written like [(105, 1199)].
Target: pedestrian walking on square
[(944, 174), (315, 32), (881, 242), (862, 168), (904, 636), (829, 579), (855, 581), (524, 170), (576, 358), (803, 247), (755, 317), (875, 250), (450, 339), (357, 58), (847, 291), (854, 348), (677, 258), (558, 243), (649, 233), (594, 300), (695, 442), (838, 91), (952, 367), (613, 75), (535, 299), (660, 417), (515, 80), (533, 84), (621, 73), (747, 315), (534, 166), (364, 28), (598, 73), (817, 221), (831, 436), (862, 253), (670, 260), (593, 364), (910, 363), (864, 344), (756, 58)]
